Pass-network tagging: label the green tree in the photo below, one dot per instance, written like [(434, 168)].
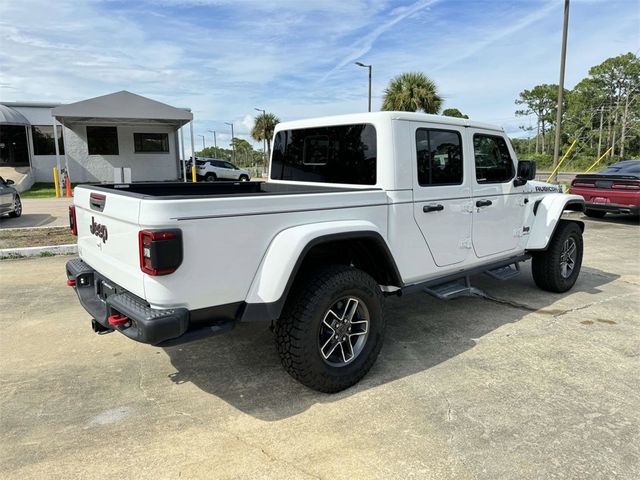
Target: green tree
[(412, 92), (541, 101), (454, 112), (263, 130)]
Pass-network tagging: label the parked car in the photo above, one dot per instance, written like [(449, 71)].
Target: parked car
[(212, 169), (9, 199), (616, 189), (356, 208)]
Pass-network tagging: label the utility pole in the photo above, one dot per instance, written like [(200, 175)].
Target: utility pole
[(563, 57), (360, 64), (203, 147), (233, 145), (600, 131), (215, 144)]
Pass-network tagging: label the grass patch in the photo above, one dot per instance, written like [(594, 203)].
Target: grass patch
[(40, 190), (36, 237)]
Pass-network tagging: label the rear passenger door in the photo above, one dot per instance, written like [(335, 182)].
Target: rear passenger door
[(498, 205), (441, 193)]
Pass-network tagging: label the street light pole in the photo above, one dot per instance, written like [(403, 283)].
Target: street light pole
[(264, 136), (563, 57), (360, 64), (233, 145), (203, 147)]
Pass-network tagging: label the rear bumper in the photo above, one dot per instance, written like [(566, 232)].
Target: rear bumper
[(147, 325), (613, 208)]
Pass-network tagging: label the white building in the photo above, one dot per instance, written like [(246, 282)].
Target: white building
[(95, 136)]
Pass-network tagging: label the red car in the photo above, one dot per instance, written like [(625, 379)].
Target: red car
[(616, 189)]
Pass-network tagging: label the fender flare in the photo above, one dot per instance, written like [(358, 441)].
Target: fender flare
[(285, 254), (547, 213)]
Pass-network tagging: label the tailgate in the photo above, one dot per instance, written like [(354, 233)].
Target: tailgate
[(108, 235)]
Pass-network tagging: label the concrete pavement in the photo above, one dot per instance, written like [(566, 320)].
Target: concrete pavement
[(40, 212), (520, 385)]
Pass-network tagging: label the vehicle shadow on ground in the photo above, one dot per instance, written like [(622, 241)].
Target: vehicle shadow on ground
[(242, 367), (27, 220), (620, 219)]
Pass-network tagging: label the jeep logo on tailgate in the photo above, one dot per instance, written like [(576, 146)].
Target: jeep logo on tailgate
[(98, 230)]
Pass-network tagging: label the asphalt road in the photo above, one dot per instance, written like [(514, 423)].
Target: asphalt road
[(521, 385)]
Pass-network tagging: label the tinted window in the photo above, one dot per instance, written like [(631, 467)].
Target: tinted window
[(102, 140), (493, 161), (151, 142), (337, 154), (43, 140), (623, 168), (439, 157), (228, 165)]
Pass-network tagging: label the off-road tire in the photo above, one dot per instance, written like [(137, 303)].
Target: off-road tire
[(297, 329), (546, 266), (594, 213)]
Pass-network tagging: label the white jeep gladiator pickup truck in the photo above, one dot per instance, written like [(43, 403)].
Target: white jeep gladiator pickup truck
[(356, 207)]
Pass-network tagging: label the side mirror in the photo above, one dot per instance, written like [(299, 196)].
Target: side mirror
[(526, 171), (8, 181)]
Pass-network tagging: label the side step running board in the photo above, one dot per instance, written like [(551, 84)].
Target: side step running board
[(457, 288), (504, 273)]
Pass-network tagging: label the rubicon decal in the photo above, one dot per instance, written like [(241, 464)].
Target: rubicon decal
[(98, 230), (547, 189)]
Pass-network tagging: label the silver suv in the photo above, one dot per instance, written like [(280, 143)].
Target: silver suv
[(212, 169)]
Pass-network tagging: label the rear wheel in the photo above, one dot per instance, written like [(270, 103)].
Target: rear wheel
[(17, 208), (243, 178), (557, 268), (210, 177), (594, 213), (332, 328)]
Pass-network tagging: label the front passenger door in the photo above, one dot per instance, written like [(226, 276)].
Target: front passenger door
[(498, 205)]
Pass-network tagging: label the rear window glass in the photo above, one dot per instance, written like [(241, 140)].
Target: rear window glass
[(336, 154), (623, 168)]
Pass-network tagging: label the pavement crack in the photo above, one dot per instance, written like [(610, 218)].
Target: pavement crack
[(509, 303)]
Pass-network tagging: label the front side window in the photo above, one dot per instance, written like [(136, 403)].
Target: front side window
[(102, 140), (439, 154), (493, 160), (43, 140), (344, 154), (151, 142)]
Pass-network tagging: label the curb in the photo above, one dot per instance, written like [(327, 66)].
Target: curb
[(39, 251)]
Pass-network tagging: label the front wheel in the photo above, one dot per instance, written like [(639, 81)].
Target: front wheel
[(331, 329), (557, 268), (17, 208)]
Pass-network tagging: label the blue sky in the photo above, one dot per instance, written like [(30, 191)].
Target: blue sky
[(295, 58)]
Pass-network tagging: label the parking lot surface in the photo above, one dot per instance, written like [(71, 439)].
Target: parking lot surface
[(40, 212), (522, 384)]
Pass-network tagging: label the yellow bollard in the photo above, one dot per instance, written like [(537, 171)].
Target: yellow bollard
[(56, 182), (193, 174)]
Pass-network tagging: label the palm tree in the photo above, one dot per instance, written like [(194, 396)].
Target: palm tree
[(411, 92), (263, 130)]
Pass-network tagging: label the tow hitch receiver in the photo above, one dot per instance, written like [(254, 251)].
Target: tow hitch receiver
[(99, 328), (118, 320)]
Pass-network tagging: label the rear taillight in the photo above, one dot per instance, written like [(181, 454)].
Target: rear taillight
[(625, 186), (160, 251), (73, 225), (582, 184)]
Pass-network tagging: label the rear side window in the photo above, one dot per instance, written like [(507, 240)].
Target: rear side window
[(439, 157), (492, 158), (336, 154)]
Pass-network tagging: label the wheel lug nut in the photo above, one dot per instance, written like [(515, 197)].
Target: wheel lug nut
[(344, 338)]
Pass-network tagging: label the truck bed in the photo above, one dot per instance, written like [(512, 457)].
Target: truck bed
[(181, 190)]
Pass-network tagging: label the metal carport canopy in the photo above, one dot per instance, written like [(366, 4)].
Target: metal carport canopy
[(121, 108)]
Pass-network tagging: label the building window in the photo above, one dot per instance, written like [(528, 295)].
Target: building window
[(151, 142), (439, 155), (493, 161), (43, 140), (102, 140)]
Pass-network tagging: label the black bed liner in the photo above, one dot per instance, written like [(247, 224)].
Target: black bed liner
[(178, 190)]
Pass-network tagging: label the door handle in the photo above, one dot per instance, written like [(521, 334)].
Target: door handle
[(432, 208), (483, 203)]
